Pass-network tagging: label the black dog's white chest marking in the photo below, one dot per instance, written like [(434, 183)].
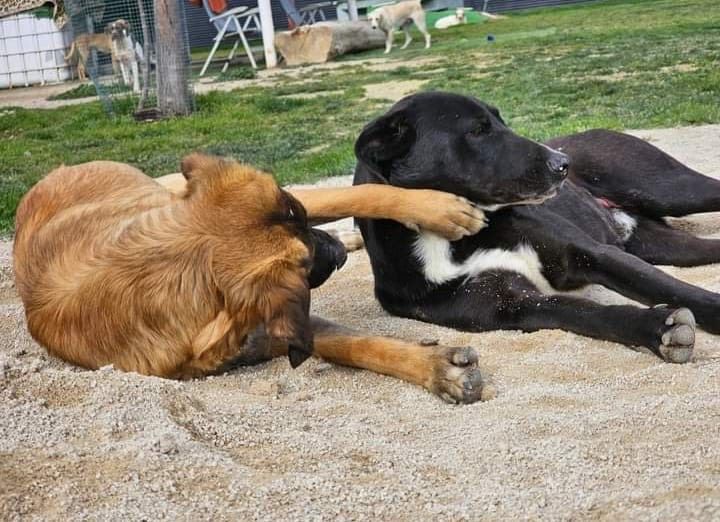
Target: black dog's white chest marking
[(435, 256)]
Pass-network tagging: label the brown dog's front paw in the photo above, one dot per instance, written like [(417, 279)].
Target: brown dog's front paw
[(456, 378), (448, 215), (678, 341)]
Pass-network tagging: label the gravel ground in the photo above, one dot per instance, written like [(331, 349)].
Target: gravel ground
[(581, 429)]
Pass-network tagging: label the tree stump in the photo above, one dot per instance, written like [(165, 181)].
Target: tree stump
[(319, 43), (173, 59)]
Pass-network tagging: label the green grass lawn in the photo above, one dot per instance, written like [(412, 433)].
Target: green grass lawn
[(615, 64)]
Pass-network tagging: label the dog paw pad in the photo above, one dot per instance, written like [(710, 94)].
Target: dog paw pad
[(678, 342), (457, 378)]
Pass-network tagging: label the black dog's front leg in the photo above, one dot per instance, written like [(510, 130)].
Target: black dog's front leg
[(505, 300), (631, 276)]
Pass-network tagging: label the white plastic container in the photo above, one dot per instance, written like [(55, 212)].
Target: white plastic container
[(32, 51)]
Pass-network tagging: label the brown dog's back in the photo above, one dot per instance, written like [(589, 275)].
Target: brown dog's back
[(64, 230)]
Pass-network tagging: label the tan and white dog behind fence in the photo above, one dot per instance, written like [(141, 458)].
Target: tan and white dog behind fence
[(115, 41)]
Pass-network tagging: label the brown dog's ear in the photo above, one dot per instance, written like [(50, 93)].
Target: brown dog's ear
[(198, 169), (198, 165), (277, 295), (384, 140)]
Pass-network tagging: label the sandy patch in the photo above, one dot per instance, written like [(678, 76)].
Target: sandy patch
[(36, 97), (622, 75), (680, 67), (482, 60), (611, 77), (392, 91), (581, 429), (311, 95), (391, 65)]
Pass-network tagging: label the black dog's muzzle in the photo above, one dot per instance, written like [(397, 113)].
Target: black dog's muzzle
[(558, 163)]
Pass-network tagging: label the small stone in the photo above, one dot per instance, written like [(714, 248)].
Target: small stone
[(165, 445), (427, 341), (283, 385), (488, 393), (322, 367), (302, 396), (264, 387)]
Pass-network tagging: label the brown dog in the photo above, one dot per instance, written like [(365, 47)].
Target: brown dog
[(116, 42), (115, 269)]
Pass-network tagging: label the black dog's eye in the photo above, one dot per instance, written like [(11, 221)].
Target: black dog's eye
[(482, 127)]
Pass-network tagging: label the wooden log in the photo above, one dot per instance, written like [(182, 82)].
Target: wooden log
[(319, 43)]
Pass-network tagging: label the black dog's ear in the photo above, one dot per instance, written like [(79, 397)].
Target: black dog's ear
[(496, 113), (385, 139)]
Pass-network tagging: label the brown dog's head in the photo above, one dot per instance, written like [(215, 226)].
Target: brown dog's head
[(118, 29), (259, 247)]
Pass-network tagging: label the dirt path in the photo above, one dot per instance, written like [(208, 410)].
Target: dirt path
[(36, 97), (581, 429)]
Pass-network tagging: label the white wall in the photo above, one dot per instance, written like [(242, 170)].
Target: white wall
[(32, 51)]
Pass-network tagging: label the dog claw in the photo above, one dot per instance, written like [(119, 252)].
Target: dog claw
[(448, 398), (465, 356), (681, 316), (412, 226)]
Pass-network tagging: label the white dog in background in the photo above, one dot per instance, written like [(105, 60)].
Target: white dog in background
[(452, 20), (389, 18), (123, 53)]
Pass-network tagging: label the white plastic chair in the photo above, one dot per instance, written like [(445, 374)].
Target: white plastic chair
[(231, 23)]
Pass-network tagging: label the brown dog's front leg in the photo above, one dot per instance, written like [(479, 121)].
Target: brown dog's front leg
[(449, 372), (448, 215)]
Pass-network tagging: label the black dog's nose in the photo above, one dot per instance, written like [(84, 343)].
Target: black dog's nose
[(558, 163)]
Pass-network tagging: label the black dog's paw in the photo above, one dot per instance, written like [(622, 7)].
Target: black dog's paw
[(329, 256), (678, 340), (457, 378)]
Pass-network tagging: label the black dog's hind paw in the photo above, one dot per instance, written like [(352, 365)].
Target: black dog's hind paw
[(678, 341)]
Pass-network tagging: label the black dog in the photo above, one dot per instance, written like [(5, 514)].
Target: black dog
[(554, 225)]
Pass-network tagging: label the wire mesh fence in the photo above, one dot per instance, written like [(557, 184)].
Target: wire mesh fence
[(115, 46)]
